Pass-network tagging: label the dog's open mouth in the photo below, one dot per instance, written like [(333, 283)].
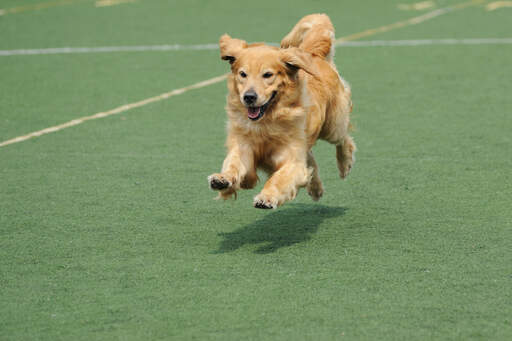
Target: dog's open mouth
[(255, 113)]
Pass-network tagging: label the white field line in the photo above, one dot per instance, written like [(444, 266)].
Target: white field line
[(416, 6), (117, 110), (65, 50), (369, 43), (106, 3), (411, 21), (419, 42), (37, 6)]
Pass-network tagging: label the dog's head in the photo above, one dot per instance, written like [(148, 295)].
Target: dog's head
[(261, 73)]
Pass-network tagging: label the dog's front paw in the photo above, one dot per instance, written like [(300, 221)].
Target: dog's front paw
[(218, 182), (265, 202)]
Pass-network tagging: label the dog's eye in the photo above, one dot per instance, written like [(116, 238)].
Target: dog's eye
[(267, 74), (243, 74)]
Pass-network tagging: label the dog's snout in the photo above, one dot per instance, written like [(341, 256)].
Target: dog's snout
[(250, 97)]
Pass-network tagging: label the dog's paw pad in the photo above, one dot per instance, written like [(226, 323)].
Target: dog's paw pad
[(263, 203), (218, 183)]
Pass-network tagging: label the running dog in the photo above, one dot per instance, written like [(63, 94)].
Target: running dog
[(280, 101)]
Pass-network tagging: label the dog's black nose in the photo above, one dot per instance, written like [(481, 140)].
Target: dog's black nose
[(250, 97)]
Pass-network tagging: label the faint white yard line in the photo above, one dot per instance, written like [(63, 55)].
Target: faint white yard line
[(49, 4), (106, 3), (103, 49), (498, 4), (117, 110), (419, 42), (368, 43), (38, 6), (411, 21), (419, 6)]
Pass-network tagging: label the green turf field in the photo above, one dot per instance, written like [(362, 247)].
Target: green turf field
[(108, 230)]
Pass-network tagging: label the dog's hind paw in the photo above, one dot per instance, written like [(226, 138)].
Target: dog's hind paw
[(218, 182), (315, 191), (345, 169), (261, 201)]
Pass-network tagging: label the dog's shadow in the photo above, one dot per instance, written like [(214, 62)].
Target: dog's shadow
[(287, 226)]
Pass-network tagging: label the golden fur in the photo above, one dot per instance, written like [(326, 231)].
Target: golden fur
[(301, 98)]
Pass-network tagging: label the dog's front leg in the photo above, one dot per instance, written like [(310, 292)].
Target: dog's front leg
[(237, 171), (284, 184)]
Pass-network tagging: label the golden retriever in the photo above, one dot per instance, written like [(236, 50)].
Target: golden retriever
[(280, 101)]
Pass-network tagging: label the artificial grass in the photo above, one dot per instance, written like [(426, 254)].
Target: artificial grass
[(109, 231), (51, 89)]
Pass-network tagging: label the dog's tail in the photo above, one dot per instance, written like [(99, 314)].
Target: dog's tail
[(314, 34)]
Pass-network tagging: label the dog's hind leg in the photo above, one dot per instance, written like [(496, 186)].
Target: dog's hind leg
[(345, 155), (335, 131), (336, 128), (314, 186)]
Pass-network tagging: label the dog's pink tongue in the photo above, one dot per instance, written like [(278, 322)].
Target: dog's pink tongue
[(253, 112)]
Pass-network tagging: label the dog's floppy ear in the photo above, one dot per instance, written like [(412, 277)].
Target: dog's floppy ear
[(295, 59), (230, 48)]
